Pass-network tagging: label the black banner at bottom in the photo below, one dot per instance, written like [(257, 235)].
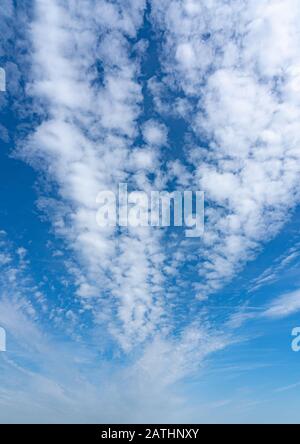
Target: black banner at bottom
[(127, 433)]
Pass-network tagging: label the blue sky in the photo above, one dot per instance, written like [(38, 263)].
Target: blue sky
[(143, 324)]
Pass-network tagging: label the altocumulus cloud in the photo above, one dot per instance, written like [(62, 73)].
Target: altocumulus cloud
[(232, 70), (239, 62), (86, 144), (82, 81)]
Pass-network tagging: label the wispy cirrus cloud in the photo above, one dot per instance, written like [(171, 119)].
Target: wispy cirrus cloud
[(280, 307), (290, 260), (47, 379), (285, 305)]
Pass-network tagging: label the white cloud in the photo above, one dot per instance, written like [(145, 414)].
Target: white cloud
[(59, 383), (86, 144), (155, 133), (239, 62), (283, 306), (280, 307), (288, 260), (47, 380), (185, 54)]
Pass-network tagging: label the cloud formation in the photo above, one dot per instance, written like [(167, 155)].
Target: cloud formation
[(225, 88), (239, 64), (86, 81), (49, 380)]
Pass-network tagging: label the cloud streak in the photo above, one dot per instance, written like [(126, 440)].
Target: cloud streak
[(49, 380)]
